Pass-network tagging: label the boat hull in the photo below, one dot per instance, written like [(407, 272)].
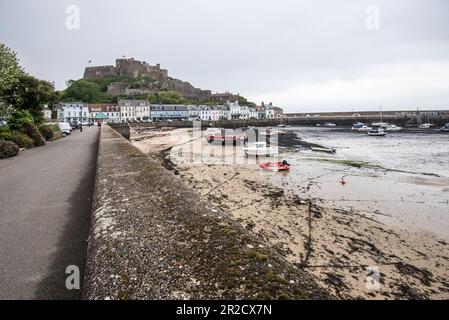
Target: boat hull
[(274, 166)]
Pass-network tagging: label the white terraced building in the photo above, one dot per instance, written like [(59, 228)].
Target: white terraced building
[(75, 112), (169, 111), (134, 110)]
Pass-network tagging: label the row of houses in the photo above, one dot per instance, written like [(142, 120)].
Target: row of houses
[(142, 110)]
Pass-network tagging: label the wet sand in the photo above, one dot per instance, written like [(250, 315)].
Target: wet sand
[(339, 246)]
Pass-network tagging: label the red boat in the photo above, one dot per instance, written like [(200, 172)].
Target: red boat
[(275, 166)]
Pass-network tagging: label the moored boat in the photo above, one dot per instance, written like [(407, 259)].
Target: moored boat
[(445, 128), (223, 139), (392, 128), (322, 149), (425, 125), (378, 132), (260, 149), (360, 127), (273, 132), (275, 166)]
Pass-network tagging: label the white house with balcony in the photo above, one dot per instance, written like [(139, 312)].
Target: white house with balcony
[(74, 112), (143, 110), (133, 110), (194, 112), (210, 113), (253, 114)]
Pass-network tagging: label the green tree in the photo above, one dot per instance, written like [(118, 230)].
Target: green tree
[(83, 91), (31, 94), (168, 97), (18, 118), (10, 71)]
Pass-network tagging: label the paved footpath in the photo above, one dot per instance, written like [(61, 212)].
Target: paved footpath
[(45, 202)]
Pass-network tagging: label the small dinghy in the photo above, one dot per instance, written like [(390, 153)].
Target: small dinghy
[(320, 149), (275, 166)]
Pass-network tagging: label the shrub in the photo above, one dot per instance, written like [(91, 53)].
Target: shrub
[(22, 140), (46, 132), (8, 149), (54, 127), (19, 118), (32, 131), (57, 135), (4, 128)]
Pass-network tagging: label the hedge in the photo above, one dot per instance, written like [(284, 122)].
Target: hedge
[(21, 139), (46, 132), (32, 131), (8, 149)]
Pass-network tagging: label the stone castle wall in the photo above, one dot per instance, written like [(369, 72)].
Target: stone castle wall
[(135, 68), (99, 72)]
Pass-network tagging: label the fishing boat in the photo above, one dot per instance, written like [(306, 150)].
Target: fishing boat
[(275, 166), (260, 149), (378, 132)]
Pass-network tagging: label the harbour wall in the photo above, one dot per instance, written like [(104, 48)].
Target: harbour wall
[(152, 237), (405, 121)]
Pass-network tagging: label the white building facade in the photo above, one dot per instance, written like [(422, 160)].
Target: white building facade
[(134, 110), (169, 111), (74, 112), (111, 111)]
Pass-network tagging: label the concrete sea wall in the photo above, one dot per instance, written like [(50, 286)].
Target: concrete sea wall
[(152, 237)]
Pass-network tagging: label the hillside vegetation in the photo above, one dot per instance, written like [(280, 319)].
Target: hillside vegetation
[(95, 91)]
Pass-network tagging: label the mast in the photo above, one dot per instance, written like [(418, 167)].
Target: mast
[(380, 108)]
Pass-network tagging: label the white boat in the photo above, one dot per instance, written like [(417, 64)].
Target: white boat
[(379, 124), (360, 127), (425, 125), (392, 128), (330, 124), (320, 149), (379, 132), (272, 132), (260, 149)]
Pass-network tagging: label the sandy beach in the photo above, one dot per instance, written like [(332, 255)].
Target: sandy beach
[(345, 248)]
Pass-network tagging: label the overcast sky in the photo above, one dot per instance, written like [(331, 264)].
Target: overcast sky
[(302, 55)]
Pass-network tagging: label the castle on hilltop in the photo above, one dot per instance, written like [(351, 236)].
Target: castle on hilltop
[(127, 67), (159, 81)]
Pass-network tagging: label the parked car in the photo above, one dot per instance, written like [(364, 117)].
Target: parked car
[(65, 128), (75, 125)]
